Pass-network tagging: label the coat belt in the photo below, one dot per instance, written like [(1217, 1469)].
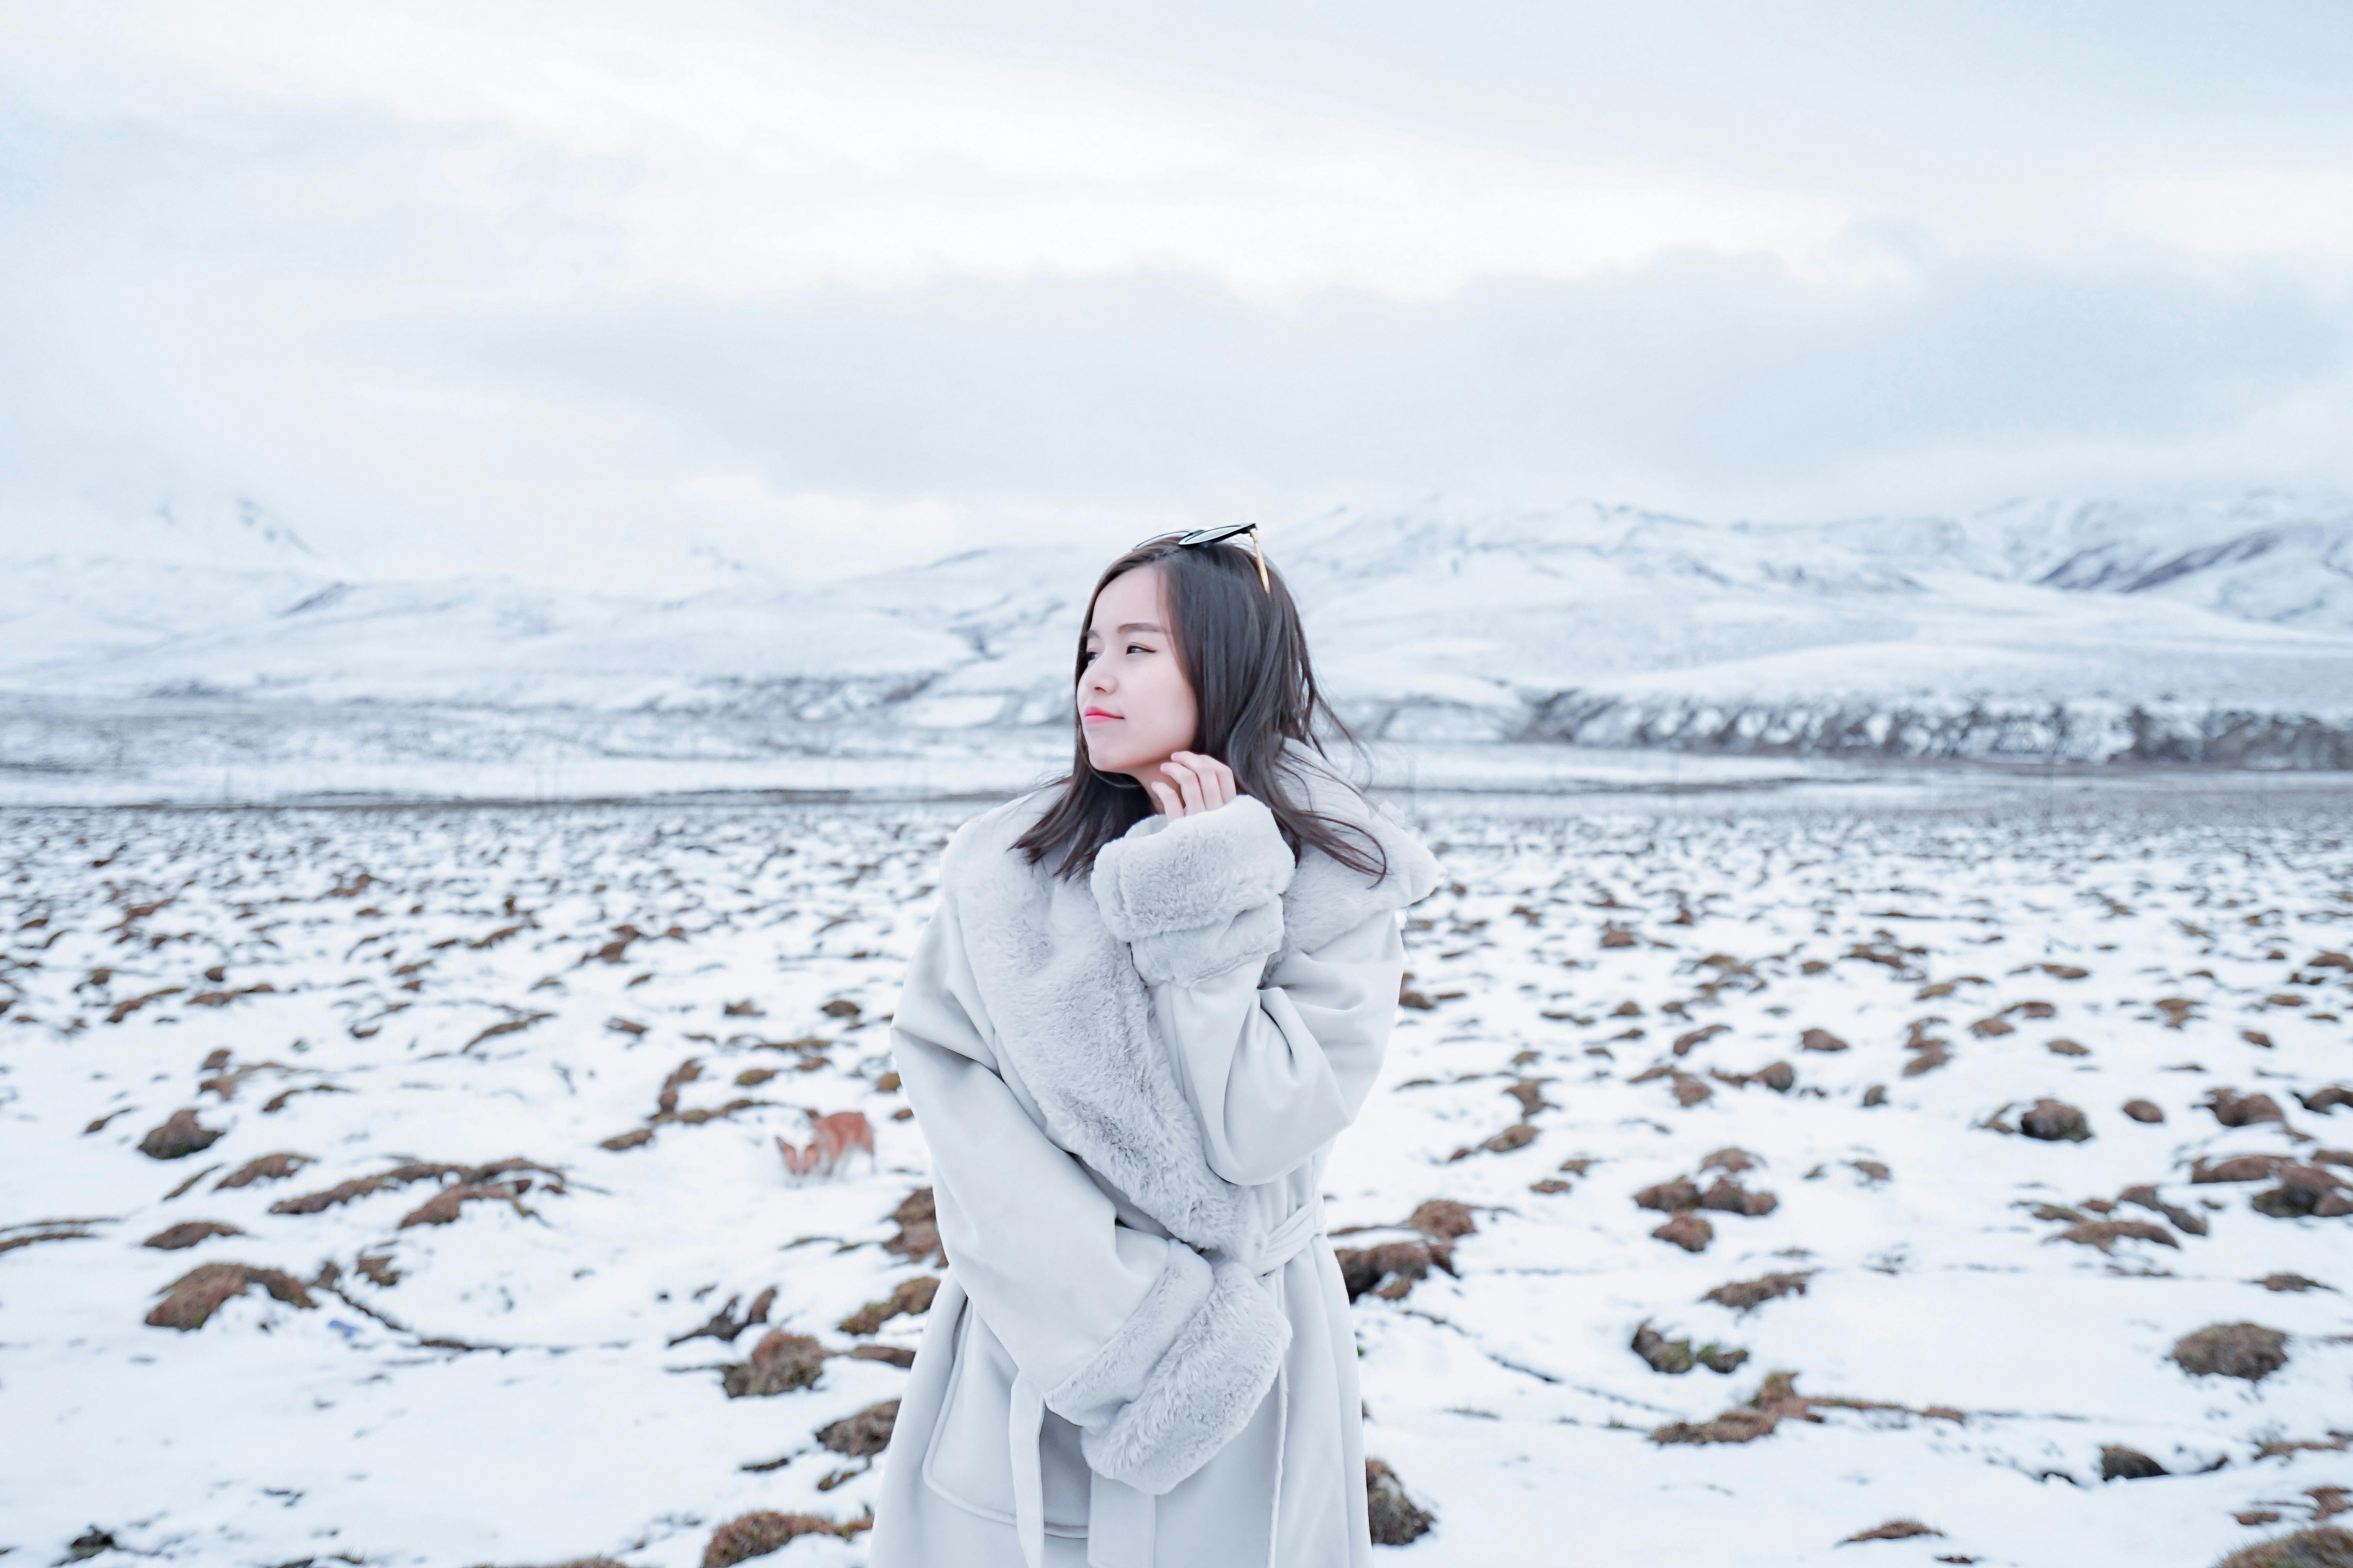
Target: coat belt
[(1119, 1516)]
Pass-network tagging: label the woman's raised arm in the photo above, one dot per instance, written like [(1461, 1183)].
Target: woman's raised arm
[(1277, 1072), (1273, 1072)]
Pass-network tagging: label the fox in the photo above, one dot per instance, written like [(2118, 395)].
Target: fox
[(836, 1134)]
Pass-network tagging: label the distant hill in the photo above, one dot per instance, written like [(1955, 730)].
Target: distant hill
[(2089, 629)]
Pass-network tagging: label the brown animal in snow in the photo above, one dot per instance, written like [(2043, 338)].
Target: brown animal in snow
[(835, 1135)]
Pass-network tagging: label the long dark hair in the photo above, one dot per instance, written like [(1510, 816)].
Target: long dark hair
[(1243, 653)]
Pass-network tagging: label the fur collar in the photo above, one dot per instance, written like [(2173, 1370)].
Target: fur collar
[(1073, 1014)]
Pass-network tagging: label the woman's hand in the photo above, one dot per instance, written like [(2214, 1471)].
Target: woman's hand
[(1196, 783)]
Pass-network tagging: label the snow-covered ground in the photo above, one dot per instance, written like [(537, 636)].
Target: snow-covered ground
[(463, 985), (141, 752)]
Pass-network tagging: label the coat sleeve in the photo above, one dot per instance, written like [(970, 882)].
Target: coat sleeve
[(1133, 1336), (1276, 1070)]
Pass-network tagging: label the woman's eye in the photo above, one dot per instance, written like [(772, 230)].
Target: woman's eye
[(1137, 647)]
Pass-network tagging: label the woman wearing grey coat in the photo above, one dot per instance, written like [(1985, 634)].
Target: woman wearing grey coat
[(1150, 997)]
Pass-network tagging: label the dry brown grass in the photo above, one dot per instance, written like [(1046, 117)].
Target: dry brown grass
[(1669, 1197), (197, 1295), (2119, 1464), (780, 1362), (2290, 1282), (2054, 1120), (2322, 1547), (2248, 1351), (686, 1072), (177, 1136), (268, 1168), (1687, 1231), (1391, 1269), (723, 1325), (2232, 1109), (1726, 1196), (226, 1083), (913, 1298), (1442, 1218), (2304, 1190), (757, 1534), (2280, 1448), (2183, 1220), (918, 1240), (443, 1207), (864, 1434), (2104, 1234), (1675, 1357), (1927, 1056), (363, 1186), (1894, 1530), (1396, 1519), (2238, 1168), (187, 1233), (1776, 1400), (45, 1230)]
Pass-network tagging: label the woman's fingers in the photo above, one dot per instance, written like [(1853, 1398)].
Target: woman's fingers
[(1221, 777), (1174, 772), (1207, 782), (1188, 780), (1169, 804), (1187, 785)]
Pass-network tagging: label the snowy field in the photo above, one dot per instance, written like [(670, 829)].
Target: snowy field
[(156, 754), (566, 1039)]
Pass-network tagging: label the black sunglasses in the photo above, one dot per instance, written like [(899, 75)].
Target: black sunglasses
[(1217, 536)]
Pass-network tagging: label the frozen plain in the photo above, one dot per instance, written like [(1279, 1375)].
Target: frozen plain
[(468, 984)]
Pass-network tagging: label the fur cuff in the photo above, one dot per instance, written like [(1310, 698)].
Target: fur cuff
[(1189, 957), (1093, 1396), (1202, 1393), (1171, 874)]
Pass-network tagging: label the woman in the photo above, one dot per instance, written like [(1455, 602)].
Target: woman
[(1152, 994)]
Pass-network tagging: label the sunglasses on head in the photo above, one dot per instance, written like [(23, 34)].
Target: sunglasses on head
[(1218, 536)]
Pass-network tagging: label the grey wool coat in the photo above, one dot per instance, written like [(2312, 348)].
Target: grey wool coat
[(1141, 1351)]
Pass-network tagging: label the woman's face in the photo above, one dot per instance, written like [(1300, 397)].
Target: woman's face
[(1135, 703)]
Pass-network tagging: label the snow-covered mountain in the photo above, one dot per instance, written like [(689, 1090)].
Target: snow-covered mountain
[(1988, 634), (85, 586), (2280, 556), (2217, 631)]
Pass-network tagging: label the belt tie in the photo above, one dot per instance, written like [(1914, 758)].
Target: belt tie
[(1119, 1516)]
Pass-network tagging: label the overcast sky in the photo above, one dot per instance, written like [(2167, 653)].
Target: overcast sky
[(567, 290)]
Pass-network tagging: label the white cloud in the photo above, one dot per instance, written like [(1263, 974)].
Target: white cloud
[(581, 292), (2249, 210), (730, 154)]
